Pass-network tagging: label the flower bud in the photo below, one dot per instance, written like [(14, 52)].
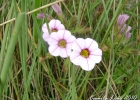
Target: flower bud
[(122, 19), (57, 8)]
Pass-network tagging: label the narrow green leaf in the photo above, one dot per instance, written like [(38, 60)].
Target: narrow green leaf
[(9, 54)]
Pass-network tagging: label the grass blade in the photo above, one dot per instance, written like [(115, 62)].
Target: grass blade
[(11, 47)]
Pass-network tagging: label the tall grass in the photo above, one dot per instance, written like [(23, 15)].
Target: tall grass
[(29, 72)]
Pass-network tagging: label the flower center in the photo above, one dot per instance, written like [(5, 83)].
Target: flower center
[(84, 53), (62, 43), (54, 30)]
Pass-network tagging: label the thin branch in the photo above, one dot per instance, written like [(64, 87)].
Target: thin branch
[(30, 12)]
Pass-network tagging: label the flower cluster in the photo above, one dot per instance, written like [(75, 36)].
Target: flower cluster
[(82, 52), (121, 22)]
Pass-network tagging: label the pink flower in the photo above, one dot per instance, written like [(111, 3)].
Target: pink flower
[(122, 19), (123, 29), (60, 43), (85, 53), (57, 8), (128, 35), (40, 15), (122, 26), (54, 26), (126, 30)]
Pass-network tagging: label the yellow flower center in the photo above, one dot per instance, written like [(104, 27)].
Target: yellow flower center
[(54, 30), (84, 53), (62, 43)]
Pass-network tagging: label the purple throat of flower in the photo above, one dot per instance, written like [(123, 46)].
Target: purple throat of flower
[(85, 53), (54, 30), (62, 43)]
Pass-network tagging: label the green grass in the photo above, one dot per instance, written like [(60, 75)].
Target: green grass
[(29, 72)]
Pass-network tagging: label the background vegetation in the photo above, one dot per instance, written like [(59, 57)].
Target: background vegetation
[(29, 72)]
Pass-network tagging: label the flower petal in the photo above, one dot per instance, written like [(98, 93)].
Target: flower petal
[(68, 50), (75, 57), (60, 27), (123, 28), (69, 45), (128, 29), (54, 36), (87, 64), (45, 36), (71, 39), (93, 46), (128, 35), (44, 28), (63, 53), (96, 52), (80, 42), (57, 23), (88, 42), (83, 63), (60, 34), (53, 23), (67, 34), (54, 50), (76, 47), (96, 55), (57, 8), (122, 19), (95, 59), (91, 64), (40, 15), (52, 41)]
